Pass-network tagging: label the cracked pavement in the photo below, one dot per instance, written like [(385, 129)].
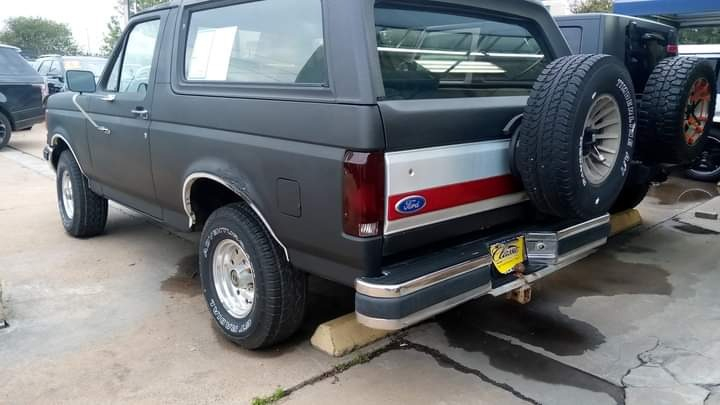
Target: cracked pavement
[(119, 318)]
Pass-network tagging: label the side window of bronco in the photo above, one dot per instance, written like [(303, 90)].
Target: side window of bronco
[(131, 69), (266, 41), (443, 53)]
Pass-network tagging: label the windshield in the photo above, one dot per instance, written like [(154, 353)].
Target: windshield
[(95, 66)]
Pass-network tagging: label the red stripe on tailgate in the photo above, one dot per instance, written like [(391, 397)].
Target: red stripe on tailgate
[(452, 195)]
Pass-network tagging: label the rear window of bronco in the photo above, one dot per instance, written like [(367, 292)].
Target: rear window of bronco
[(442, 53)]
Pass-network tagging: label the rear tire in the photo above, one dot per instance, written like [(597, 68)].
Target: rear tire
[(5, 130), (83, 213), (255, 296), (676, 110), (707, 167), (577, 134)]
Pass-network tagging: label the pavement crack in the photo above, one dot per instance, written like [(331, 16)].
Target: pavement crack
[(398, 343), (360, 358), (445, 360), (643, 362)]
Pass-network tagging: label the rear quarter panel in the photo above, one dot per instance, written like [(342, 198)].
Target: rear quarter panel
[(256, 143), (261, 137)]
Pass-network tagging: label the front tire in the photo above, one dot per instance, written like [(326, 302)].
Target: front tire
[(707, 167), (83, 213), (255, 296), (5, 130)]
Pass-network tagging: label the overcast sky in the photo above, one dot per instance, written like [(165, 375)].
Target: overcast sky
[(87, 18)]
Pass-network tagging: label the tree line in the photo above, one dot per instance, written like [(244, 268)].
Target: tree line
[(40, 36)]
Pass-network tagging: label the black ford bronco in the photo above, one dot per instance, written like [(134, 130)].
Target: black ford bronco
[(424, 152)]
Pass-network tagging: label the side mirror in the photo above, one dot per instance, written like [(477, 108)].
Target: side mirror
[(80, 81)]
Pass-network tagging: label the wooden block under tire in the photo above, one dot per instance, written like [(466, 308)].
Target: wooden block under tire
[(342, 335), (623, 221)]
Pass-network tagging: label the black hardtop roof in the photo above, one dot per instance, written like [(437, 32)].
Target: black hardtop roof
[(177, 3)]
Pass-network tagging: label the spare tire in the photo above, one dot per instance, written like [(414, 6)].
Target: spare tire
[(577, 136), (637, 186), (676, 110)]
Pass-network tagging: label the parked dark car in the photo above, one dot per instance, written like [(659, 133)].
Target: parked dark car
[(53, 67), (21, 94), (677, 95), (425, 153)]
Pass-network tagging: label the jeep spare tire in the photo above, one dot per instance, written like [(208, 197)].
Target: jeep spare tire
[(577, 136), (676, 110)]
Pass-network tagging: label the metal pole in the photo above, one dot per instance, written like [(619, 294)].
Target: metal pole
[(128, 12)]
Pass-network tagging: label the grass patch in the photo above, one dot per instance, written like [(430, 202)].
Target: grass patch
[(277, 395), (361, 358)]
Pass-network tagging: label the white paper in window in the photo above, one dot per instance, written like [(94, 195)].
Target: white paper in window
[(211, 53)]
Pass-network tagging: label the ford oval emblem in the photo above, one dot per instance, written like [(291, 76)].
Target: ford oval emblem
[(410, 204)]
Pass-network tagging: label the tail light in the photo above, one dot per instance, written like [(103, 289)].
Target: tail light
[(363, 193), (43, 89), (671, 49)]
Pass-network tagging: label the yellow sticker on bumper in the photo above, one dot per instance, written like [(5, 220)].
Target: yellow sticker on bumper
[(506, 255)]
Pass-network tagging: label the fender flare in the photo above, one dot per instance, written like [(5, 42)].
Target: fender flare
[(54, 142), (187, 205)]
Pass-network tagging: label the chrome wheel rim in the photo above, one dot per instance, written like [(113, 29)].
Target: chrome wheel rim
[(697, 111), (234, 278), (3, 131), (601, 139), (67, 194)]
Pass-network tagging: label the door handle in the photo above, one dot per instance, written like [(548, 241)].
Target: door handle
[(140, 112), (108, 97)]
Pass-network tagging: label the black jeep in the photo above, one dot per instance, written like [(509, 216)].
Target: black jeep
[(675, 93), (366, 142)]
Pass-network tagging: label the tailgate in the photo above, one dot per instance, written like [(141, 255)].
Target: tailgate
[(453, 81)]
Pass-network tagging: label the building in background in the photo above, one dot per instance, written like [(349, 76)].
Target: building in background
[(557, 7)]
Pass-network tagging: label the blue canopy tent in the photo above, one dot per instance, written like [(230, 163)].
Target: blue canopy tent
[(680, 13)]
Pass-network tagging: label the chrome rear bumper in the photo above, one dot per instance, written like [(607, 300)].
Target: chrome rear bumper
[(390, 302)]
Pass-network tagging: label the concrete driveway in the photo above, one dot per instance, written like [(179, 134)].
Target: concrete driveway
[(120, 318)]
